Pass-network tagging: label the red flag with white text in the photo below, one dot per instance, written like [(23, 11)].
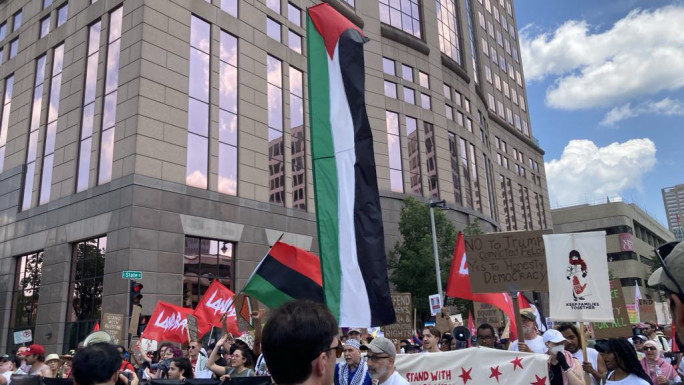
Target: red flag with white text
[(215, 302), (458, 286), (168, 323)]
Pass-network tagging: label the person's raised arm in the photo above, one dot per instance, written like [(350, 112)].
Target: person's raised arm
[(211, 362)]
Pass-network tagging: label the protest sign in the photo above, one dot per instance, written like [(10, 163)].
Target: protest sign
[(113, 324), (473, 366), (23, 336), (193, 332), (662, 310), (504, 262), (403, 327), (486, 313), (620, 326), (135, 320), (647, 311), (435, 304), (577, 266), (632, 313)]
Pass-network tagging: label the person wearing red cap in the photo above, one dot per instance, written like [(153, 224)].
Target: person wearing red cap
[(35, 356)]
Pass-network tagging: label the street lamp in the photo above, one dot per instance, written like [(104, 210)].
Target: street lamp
[(432, 204)]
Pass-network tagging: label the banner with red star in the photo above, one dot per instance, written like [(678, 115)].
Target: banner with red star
[(473, 366)]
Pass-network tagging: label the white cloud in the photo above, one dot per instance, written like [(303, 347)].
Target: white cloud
[(664, 106), (641, 54), (586, 172)]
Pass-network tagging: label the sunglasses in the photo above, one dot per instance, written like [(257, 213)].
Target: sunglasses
[(338, 349), (662, 252), (649, 348)]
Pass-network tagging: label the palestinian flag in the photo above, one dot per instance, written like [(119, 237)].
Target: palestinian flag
[(286, 273), (350, 231)]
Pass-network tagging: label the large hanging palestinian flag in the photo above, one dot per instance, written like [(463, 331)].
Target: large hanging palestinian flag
[(350, 231)]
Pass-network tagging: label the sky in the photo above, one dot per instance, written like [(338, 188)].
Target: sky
[(605, 86)]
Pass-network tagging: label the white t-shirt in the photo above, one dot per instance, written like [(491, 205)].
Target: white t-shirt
[(592, 357), (536, 345), (629, 380), (7, 376), (395, 379)]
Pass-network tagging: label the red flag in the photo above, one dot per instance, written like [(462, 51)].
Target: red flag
[(673, 330), (215, 302), (471, 324), (458, 285), (168, 323), (96, 327)]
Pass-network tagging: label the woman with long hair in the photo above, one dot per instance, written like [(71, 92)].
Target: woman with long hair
[(660, 371), (179, 369), (621, 360)]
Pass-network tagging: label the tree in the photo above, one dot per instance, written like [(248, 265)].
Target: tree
[(412, 259)]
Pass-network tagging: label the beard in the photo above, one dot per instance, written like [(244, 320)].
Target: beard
[(376, 373)]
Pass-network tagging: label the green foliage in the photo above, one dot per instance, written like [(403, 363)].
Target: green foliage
[(412, 258), (473, 228)]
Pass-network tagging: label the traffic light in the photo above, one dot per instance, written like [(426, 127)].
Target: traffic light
[(136, 293), (142, 323)]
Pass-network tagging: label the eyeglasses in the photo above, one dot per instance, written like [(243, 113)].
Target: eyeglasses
[(662, 252), (484, 337), (192, 347), (638, 341), (338, 349), (376, 358), (649, 348)]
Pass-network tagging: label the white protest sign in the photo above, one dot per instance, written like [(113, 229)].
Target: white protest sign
[(435, 304)]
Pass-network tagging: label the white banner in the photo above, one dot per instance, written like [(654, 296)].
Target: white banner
[(577, 268), (473, 366)]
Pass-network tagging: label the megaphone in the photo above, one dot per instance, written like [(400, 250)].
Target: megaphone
[(461, 334), (98, 336)]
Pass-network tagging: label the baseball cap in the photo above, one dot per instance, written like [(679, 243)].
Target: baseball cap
[(381, 345), (674, 260), (354, 330), (553, 335), (528, 313), (33, 349)]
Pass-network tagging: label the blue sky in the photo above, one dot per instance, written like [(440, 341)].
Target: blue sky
[(605, 86)]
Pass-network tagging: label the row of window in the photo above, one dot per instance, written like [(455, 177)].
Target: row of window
[(517, 207), (274, 28)]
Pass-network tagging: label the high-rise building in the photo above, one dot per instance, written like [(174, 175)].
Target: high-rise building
[(673, 198), (171, 137)]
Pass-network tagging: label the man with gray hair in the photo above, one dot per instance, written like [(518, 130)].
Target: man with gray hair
[(380, 358), (354, 370)]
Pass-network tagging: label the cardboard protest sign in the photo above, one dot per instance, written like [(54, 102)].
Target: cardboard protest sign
[(435, 304), (135, 320), (113, 324), (647, 311), (504, 262), (193, 332), (620, 327), (473, 366), (486, 313), (403, 327), (578, 269)]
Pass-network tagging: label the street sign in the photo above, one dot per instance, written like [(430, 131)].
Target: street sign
[(129, 274)]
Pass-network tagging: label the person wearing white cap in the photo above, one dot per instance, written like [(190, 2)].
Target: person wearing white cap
[(564, 369), (380, 357)]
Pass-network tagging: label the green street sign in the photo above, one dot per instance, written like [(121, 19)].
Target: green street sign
[(128, 274)]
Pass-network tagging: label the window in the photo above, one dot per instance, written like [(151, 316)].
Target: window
[(431, 160), (425, 101), (6, 106), (459, 118), (273, 5), (83, 176), (198, 104), (51, 132), (447, 91), (403, 15), (388, 66), (230, 7), (489, 197), (390, 89), (276, 147), (423, 79), (409, 95), (499, 38), (203, 261), (3, 31), (273, 29), (109, 104), (86, 286), (463, 152), (522, 102), (47, 3), (488, 74), (414, 155), (457, 98), (447, 27), (228, 114), (494, 55), (2, 52), (485, 47), (294, 41), (44, 27), (506, 90), (500, 108), (496, 14), (62, 14), (514, 95), (467, 104), (394, 152), (294, 15), (16, 21), (32, 148), (490, 102), (350, 2), (449, 112), (454, 169), (407, 73), (26, 293), (14, 48), (297, 139), (475, 178), (507, 46), (469, 124), (481, 18)]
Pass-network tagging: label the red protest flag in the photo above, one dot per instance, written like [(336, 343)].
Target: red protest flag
[(97, 326), (215, 302), (167, 323), (471, 324), (458, 285)]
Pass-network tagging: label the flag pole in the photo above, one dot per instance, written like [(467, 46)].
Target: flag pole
[(434, 244), (583, 339)]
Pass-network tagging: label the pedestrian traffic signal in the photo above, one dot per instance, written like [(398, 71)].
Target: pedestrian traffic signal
[(136, 293), (142, 323)]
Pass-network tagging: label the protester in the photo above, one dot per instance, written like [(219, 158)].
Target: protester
[(125, 365), (638, 341), (65, 369), (198, 361), (354, 371), (98, 364), (180, 369), (659, 370), (594, 365), (381, 356), (650, 330), (670, 277), (53, 362), (564, 369), (447, 342), (486, 337), (431, 337), (621, 361), (241, 364), (35, 357), (9, 365), (309, 329), (354, 333), (534, 343)]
